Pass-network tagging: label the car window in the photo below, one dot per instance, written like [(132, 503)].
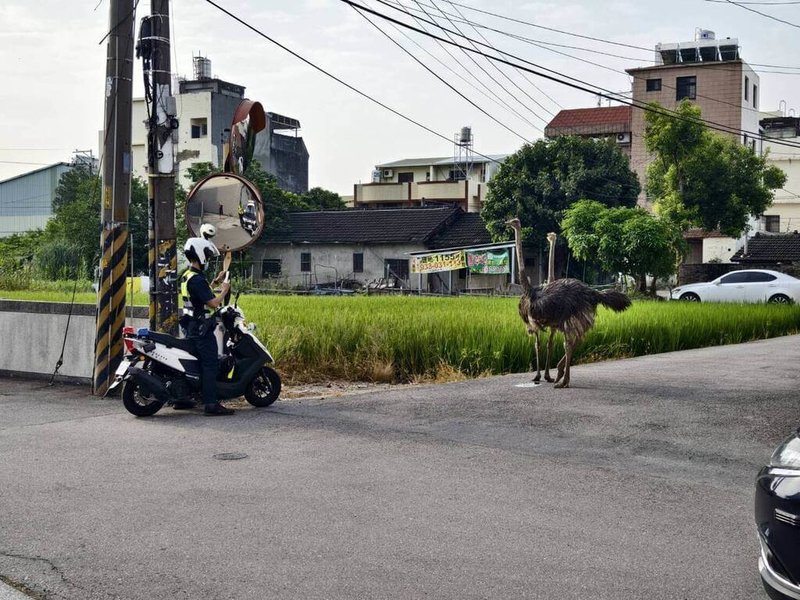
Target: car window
[(735, 277), (759, 277)]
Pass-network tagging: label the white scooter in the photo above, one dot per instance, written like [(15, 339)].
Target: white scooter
[(160, 369)]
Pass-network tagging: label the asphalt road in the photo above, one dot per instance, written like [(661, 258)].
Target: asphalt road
[(636, 483)]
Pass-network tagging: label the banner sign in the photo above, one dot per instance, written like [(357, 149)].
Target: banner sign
[(434, 263), (487, 261)]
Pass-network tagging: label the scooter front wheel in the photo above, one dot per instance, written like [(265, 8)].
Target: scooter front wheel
[(137, 402), (264, 389)]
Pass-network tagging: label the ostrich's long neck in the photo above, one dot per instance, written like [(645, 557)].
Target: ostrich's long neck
[(523, 276), (551, 262)]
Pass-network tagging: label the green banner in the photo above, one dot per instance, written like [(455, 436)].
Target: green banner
[(488, 262)]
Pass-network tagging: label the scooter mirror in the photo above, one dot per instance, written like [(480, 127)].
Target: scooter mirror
[(230, 203)]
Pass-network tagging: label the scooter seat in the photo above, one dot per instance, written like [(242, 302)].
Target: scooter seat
[(173, 342)]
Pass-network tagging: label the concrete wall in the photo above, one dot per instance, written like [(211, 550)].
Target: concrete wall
[(330, 262), (719, 249), (33, 333)]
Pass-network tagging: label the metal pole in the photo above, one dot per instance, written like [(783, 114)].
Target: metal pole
[(116, 195), (162, 137)]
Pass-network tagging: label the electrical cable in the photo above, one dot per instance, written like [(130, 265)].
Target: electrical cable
[(488, 88), (337, 79), (768, 16), (704, 66), (514, 83), (524, 139), (573, 82)]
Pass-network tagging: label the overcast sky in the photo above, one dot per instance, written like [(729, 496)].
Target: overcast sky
[(53, 68)]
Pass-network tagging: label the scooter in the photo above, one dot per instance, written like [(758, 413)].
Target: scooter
[(160, 369)]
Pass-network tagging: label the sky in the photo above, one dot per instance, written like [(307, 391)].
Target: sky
[(53, 70)]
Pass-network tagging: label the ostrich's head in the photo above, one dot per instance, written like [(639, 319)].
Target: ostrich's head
[(514, 223), (551, 237)]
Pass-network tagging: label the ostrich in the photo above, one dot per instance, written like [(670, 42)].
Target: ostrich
[(565, 305)]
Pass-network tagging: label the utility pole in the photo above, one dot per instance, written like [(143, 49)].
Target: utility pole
[(116, 195), (154, 48)]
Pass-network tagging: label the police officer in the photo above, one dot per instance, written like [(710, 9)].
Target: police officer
[(197, 296)]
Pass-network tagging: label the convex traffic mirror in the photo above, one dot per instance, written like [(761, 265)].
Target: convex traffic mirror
[(231, 204)]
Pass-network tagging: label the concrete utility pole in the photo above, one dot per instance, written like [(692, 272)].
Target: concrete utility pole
[(154, 48), (116, 195)]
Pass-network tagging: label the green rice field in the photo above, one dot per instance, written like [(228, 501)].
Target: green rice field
[(409, 338)]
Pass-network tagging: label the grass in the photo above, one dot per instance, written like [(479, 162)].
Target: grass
[(408, 338)]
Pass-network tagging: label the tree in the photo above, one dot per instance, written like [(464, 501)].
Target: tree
[(623, 240), (703, 179), (542, 180), (318, 198)]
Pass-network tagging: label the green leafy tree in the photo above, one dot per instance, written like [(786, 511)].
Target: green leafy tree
[(702, 179), (318, 198), (542, 180), (623, 240)]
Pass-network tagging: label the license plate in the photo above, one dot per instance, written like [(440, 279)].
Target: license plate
[(122, 368)]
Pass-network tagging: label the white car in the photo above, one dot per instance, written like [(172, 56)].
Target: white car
[(751, 285)]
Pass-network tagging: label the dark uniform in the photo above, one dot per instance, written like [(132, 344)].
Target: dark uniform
[(195, 293)]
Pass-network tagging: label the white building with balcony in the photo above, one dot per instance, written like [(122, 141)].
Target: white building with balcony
[(425, 181)]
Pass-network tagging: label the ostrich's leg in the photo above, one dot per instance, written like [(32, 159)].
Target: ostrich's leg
[(536, 355), (563, 369), (547, 376)]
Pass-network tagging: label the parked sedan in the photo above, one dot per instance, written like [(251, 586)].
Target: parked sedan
[(777, 512), (751, 285)]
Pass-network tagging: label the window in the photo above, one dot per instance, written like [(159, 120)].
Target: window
[(358, 262), (746, 87), (457, 175), (735, 277), (653, 85), (773, 223), (199, 128), (757, 277), (686, 87), (270, 267), (755, 96), (405, 177), (305, 262), (395, 268)]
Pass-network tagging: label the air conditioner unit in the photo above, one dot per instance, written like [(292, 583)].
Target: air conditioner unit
[(623, 138), (388, 173)]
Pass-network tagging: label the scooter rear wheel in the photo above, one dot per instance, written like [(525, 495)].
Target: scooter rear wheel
[(264, 389), (137, 402)]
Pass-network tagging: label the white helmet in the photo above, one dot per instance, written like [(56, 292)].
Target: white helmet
[(200, 250), (207, 231)]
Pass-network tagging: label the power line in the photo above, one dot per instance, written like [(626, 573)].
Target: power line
[(588, 37), (483, 70), (573, 82), (395, 42), (758, 12), (514, 83), (335, 78), (613, 70)]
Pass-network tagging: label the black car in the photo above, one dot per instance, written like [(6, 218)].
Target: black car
[(778, 520)]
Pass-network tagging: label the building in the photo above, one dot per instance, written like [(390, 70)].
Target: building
[(394, 248), (710, 73), (205, 108), (784, 214), (424, 181), (602, 122), (26, 201), (779, 251)]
